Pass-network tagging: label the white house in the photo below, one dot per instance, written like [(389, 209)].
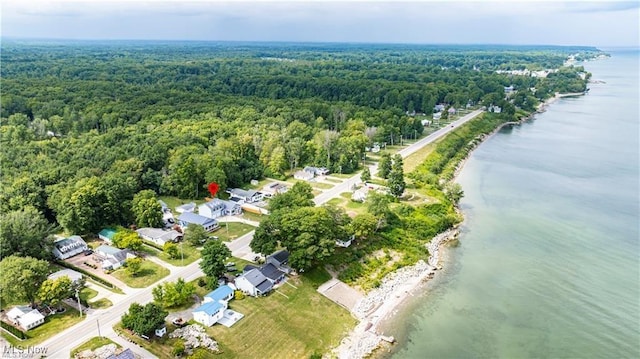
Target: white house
[(25, 317), (186, 218), (218, 208), (273, 189), (303, 175), (245, 196), (254, 283), (213, 307), (159, 236), (113, 258), (187, 207), (69, 247), (345, 243), (73, 275), (452, 111)]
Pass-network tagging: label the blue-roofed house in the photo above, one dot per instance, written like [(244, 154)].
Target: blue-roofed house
[(224, 293), (209, 313), (186, 218)]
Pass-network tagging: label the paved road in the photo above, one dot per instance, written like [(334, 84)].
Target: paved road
[(60, 345)]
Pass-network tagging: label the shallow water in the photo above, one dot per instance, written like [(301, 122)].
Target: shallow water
[(548, 260)]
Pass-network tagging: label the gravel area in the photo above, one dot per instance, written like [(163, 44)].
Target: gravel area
[(194, 336)]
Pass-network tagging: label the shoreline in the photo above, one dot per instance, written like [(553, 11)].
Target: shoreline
[(380, 304)]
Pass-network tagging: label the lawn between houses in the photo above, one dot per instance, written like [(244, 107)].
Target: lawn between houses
[(149, 274), (53, 324)]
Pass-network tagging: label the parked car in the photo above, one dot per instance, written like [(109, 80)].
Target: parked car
[(88, 252)]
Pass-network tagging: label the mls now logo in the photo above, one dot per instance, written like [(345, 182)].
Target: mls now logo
[(23, 352)]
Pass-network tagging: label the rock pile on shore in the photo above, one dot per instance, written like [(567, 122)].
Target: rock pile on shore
[(194, 337), (102, 352)]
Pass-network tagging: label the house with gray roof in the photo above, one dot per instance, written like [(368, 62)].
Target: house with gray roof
[(186, 218), (73, 275), (280, 259), (187, 207), (245, 196), (218, 208), (111, 257), (254, 283), (25, 317), (69, 247), (159, 236), (273, 274)]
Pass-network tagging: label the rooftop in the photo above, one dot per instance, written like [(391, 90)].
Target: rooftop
[(220, 293), (190, 217), (210, 308)]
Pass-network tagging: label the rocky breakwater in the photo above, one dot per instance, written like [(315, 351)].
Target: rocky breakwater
[(381, 302)]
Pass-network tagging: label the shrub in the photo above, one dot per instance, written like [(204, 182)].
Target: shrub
[(202, 282), (238, 294), (178, 348), (13, 330)]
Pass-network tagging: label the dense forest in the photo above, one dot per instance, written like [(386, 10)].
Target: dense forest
[(87, 125)]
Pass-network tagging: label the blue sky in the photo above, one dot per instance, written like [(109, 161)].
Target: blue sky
[(602, 24)]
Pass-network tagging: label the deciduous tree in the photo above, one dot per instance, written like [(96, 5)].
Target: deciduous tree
[(214, 256), (143, 320), (147, 209), (21, 278), (54, 291), (25, 233), (195, 234), (134, 265), (396, 177)]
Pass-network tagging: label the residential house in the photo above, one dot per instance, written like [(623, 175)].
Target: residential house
[(273, 274), (73, 275), (254, 283), (159, 236), (508, 89), (303, 175), (26, 317), (360, 195), (107, 235), (345, 243), (439, 108), (452, 111), (186, 208), (437, 115), (317, 171), (245, 196), (215, 303), (273, 189), (209, 224), (69, 247), (113, 258), (218, 208), (494, 109), (164, 206), (280, 259)]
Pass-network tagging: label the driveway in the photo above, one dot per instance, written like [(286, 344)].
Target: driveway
[(79, 261)]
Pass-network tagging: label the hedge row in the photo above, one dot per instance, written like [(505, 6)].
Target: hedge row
[(13, 330), (151, 244), (93, 276)]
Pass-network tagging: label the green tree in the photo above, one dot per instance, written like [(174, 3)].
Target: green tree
[(173, 294), (54, 291), (378, 206), (143, 320), (25, 233), (299, 195), (21, 278), (172, 250), (134, 265), (363, 225), (454, 192), (214, 256), (125, 238), (365, 176), (396, 177), (147, 209), (384, 166), (195, 234)]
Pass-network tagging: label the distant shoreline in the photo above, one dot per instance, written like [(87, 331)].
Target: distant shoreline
[(379, 306)]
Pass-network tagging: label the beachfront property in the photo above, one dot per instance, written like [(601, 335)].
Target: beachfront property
[(25, 317), (68, 247)]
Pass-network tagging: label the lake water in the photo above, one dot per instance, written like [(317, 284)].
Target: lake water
[(547, 265)]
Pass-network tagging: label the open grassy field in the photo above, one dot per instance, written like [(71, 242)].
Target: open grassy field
[(173, 202), (288, 323), (231, 230), (149, 274), (87, 293), (410, 163), (93, 344), (53, 324), (101, 303), (187, 254), (253, 216)]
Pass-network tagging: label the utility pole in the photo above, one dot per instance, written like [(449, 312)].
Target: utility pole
[(182, 251), (97, 322), (78, 297)]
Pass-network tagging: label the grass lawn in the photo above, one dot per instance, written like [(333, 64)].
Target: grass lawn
[(412, 162), (341, 175), (53, 324), (333, 180), (87, 293), (149, 274), (191, 254), (173, 202), (296, 326), (93, 344), (161, 347), (101, 303), (253, 216), (231, 230), (321, 185)]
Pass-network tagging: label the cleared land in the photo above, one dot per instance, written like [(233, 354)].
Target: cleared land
[(149, 274)]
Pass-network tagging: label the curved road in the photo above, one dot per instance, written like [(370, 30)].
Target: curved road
[(61, 344)]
